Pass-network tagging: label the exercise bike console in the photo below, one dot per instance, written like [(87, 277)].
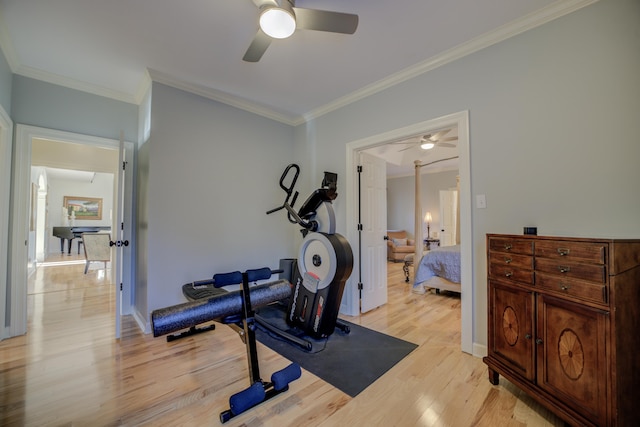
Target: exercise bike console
[(316, 213)]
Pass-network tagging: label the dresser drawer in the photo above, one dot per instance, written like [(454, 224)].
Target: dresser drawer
[(505, 271), (509, 245), (574, 288), (592, 252), (513, 260), (575, 270)]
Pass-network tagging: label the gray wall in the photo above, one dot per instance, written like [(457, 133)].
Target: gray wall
[(553, 129), (401, 199), (211, 174), (6, 78), (140, 292), (46, 105)]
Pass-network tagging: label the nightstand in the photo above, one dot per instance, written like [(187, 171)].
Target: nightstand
[(429, 242)]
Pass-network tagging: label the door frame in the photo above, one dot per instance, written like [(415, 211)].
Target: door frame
[(20, 209), (6, 135), (461, 120)]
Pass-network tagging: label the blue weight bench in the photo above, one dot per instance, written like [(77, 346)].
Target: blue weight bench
[(235, 309)]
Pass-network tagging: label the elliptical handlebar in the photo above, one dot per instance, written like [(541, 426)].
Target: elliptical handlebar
[(292, 215), (288, 189)]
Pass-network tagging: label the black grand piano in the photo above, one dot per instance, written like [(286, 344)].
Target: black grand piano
[(70, 233)]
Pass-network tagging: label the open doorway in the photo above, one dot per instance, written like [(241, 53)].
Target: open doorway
[(20, 230), (460, 121), (60, 171)]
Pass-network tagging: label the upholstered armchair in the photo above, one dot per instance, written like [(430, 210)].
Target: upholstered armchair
[(399, 245)]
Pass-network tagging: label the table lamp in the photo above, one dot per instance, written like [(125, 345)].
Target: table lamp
[(428, 219)]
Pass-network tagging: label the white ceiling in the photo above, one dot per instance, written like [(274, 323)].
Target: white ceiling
[(70, 175), (112, 47), (401, 155)]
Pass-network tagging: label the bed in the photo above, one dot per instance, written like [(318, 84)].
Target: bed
[(439, 269)]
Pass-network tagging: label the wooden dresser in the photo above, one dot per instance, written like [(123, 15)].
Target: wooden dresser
[(564, 324)]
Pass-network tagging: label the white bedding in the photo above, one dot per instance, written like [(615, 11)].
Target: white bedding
[(443, 262)]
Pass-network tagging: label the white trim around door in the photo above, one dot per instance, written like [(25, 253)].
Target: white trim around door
[(18, 246), (6, 135), (461, 120)]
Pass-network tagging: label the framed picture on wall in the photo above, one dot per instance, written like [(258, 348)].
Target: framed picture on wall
[(84, 207)]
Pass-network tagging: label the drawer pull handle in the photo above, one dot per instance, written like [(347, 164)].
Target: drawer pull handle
[(527, 336), (539, 341), (509, 273), (564, 269), (507, 260), (563, 251), (565, 287), (507, 247)]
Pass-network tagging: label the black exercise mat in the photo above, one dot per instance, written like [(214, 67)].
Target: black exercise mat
[(349, 362)]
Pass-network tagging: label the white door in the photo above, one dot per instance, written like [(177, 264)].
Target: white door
[(448, 213), (121, 231), (373, 217)]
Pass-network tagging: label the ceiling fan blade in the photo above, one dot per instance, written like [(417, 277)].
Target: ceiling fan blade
[(446, 144), (258, 46), (435, 137), (406, 148), (324, 20), (260, 3), (451, 138)]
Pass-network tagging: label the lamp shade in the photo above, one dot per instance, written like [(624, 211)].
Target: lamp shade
[(278, 22), (427, 217)]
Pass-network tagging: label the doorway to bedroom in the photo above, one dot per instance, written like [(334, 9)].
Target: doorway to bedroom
[(459, 121)]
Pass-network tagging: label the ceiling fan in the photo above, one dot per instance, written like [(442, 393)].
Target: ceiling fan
[(430, 140), (280, 18)]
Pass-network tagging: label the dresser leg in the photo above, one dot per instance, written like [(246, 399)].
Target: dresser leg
[(494, 377)]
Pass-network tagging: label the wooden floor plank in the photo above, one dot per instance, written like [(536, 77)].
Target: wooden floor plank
[(70, 370)]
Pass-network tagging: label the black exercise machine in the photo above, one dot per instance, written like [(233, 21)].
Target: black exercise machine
[(235, 309), (312, 284), (324, 262)]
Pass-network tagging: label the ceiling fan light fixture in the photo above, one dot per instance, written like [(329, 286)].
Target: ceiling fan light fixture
[(278, 22), (427, 145)]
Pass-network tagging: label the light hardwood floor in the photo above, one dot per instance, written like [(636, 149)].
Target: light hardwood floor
[(69, 370)]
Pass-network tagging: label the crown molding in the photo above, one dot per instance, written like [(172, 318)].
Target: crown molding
[(528, 22), (223, 97), (70, 83)]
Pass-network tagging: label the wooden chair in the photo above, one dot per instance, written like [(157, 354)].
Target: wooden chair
[(96, 248)]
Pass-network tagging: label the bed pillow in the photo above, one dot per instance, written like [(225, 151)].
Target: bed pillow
[(400, 242)]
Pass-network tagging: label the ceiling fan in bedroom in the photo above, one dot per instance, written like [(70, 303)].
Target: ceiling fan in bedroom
[(280, 18), (430, 140)]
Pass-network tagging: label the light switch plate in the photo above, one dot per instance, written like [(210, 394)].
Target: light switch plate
[(481, 201)]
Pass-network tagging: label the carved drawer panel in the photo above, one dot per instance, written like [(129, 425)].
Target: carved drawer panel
[(575, 251), (508, 272), (575, 270), (512, 260), (572, 287), (517, 246)]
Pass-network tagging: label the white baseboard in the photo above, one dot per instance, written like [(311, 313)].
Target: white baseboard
[(479, 350), (144, 326)]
